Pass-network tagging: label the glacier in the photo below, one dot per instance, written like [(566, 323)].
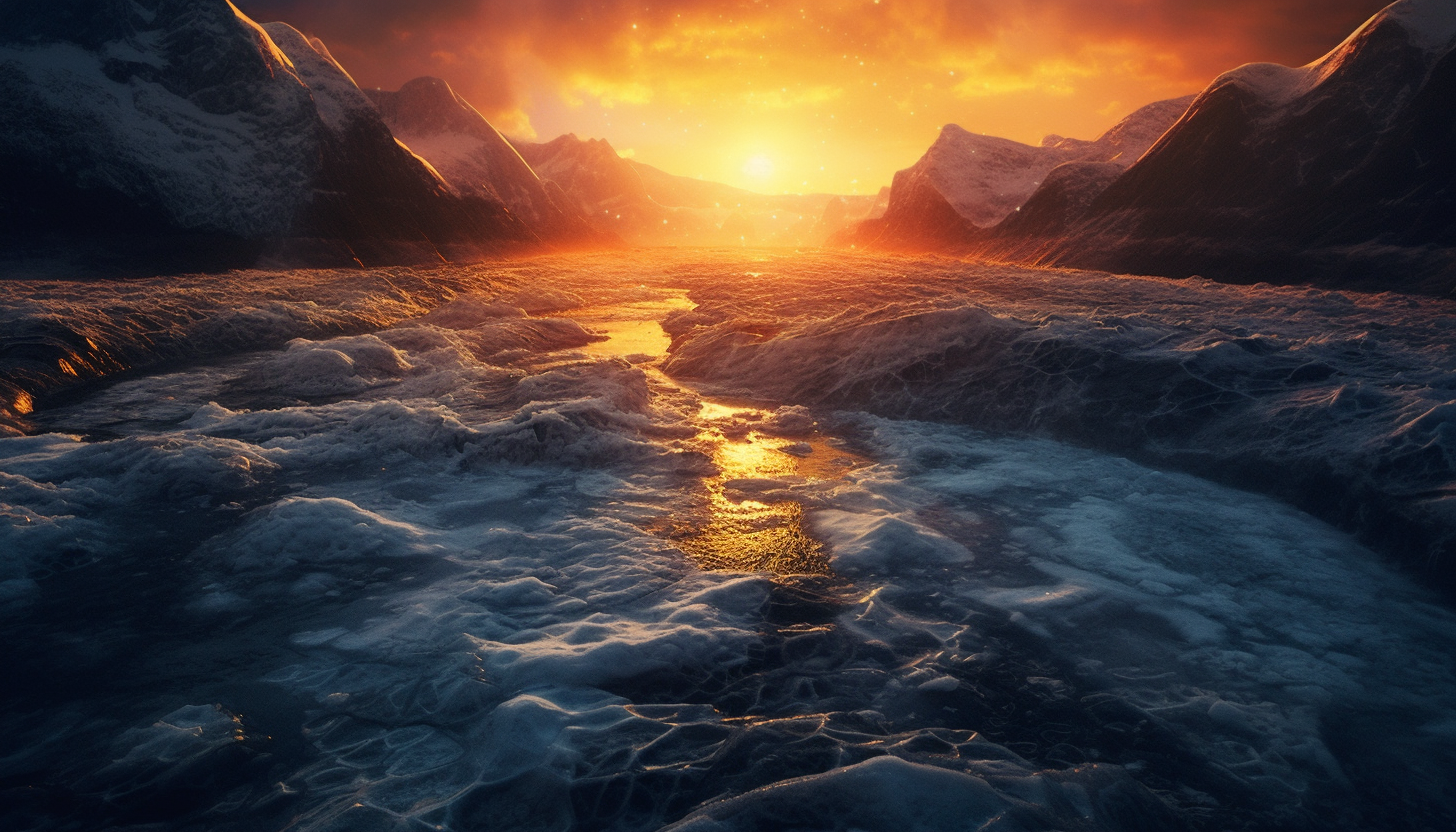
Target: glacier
[(472, 546)]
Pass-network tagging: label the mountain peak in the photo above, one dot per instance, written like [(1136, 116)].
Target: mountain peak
[(428, 104), (1431, 23)]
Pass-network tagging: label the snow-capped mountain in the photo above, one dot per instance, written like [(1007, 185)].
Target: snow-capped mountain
[(160, 128), (967, 180), (1337, 171), (603, 185), (473, 157)]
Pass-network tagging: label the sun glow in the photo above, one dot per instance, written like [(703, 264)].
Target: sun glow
[(758, 167)]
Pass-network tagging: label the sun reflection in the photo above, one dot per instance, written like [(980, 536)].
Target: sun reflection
[(749, 535), (731, 532), (630, 329)]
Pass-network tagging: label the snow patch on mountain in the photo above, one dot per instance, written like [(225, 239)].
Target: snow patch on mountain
[(472, 157), (220, 140), (967, 181), (338, 100), (1337, 172), (1431, 23)]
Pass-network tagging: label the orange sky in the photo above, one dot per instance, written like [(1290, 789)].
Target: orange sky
[(813, 95)]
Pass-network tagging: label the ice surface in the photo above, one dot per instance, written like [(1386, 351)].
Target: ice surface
[(385, 575), (882, 543), (1333, 401)]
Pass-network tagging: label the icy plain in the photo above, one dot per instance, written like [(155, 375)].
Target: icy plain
[(719, 541)]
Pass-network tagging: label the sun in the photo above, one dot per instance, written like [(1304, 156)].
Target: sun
[(758, 166)]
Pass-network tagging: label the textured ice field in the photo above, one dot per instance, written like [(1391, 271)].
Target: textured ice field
[(437, 562)]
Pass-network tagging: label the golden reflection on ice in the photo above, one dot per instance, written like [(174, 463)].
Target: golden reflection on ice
[(734, 533), (631, 329), (751, 535)]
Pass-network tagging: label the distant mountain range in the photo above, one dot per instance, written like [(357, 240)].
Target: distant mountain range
[(1339, 172), (647, 206), (968, 180)]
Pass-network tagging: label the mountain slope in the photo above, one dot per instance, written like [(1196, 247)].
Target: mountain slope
[(473, 158), (967, 181), (158, 130), (603, 185), (1337, 171)]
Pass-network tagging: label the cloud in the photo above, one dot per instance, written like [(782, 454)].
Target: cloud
[(597, 38)]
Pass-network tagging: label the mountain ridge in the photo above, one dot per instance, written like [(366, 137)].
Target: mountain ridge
[(1338, 172), (474, 159), (968, 181)]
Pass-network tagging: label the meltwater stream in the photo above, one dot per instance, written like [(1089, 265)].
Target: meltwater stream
[(488, 569), (737, 534)]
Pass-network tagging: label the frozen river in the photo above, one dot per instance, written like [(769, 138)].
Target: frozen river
[(723, 541)]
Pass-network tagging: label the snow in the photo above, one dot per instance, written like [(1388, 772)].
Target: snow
[(202, 122), (884, 793), (306, 531), (421, 555), (1311, 395), (985, 178), (337, 98), (234, 171), (472, 157), (1430, 25), (231, 162), (880, 543)]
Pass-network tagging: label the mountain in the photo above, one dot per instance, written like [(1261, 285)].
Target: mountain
[(967, 181), (180, 133), (474, 159), (747, 217), (649, 206), (1340, 171), (602, 185), (843, 213)]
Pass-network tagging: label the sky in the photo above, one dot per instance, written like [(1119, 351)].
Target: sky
[(829, 96)]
